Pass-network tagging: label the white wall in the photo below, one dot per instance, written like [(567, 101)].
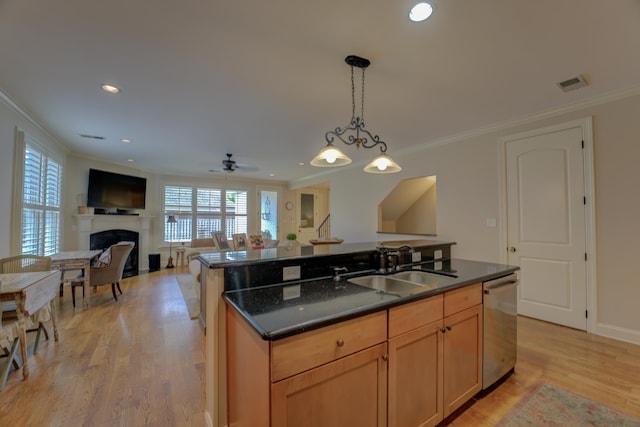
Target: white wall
[(468, 173)]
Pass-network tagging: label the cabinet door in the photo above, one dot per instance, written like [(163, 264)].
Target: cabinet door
[(416, 377), (462, 357), (348, 392)]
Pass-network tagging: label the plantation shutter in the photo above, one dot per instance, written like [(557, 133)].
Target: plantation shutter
[(42, 193)]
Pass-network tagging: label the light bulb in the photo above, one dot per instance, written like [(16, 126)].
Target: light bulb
[(382, 163), (331, 155)]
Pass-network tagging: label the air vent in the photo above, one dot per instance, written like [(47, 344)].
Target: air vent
[(84, 135), (572, 84)]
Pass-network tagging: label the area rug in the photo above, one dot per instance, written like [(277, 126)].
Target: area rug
[(190, 293), (548, 405)]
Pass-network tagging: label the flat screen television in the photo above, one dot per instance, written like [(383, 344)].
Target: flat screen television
[(114, 190)]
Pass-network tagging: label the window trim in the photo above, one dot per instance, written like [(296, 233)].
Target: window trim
[(21, 141)]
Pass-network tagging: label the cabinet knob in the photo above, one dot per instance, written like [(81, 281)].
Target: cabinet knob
[(340, 342), (385, 357), (512, 249), (443, 330), (448, 328)]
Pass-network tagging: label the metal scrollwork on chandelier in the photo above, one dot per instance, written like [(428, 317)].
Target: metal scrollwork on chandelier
[(355, 133)]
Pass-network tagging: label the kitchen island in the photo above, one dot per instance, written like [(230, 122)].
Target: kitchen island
[(283, 335)]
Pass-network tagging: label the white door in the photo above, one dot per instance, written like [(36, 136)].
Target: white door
[(546, 233)]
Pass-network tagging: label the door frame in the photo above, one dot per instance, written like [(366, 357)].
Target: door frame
[(586, 124)]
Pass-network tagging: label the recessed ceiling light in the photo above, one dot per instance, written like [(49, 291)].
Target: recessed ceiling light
[(301, 164), (110, 88), (130, 160), (125, 140), (420, 12), (272, 174)]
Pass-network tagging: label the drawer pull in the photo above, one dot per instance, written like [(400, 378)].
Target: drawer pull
[(340, 342), (385, 357)]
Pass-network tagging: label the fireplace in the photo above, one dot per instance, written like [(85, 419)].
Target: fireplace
[(104, 239), (88, 224)]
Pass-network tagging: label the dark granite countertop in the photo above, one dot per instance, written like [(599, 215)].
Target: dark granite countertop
[(236, 258), (319, 302)]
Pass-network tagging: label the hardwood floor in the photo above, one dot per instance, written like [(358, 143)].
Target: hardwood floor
[(135, 362), (140, 362), (598, 368)]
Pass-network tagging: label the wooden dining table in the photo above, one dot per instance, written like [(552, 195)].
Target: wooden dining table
[(30, 291), (75, 260)]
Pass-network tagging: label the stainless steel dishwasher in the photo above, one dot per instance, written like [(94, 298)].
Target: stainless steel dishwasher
[(500, 328)]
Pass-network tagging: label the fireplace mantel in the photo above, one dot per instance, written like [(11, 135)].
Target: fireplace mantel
[(89, 224)]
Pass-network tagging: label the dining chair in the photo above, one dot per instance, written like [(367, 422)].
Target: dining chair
[(25, 264), (9, 344), (107, 274)]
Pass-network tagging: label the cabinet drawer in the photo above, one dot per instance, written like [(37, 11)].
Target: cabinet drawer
[(299, 353), (414, 315), (463, 298)]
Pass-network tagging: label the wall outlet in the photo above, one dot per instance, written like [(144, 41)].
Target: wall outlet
[(291, 273), (416, 256), (491, 222), (437, 254), (290, 292)]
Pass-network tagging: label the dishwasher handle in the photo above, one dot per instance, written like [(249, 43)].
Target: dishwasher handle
[(511, 280)]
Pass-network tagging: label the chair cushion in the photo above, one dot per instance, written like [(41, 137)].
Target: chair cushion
[(104, 259)]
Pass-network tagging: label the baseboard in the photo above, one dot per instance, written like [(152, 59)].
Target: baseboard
[(622, 334)]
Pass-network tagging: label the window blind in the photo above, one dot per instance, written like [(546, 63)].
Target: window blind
[(199, 211), (42, 194)]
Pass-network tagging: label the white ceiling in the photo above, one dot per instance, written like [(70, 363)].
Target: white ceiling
[(265, 80)]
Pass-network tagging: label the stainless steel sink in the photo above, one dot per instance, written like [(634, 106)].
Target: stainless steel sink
[(388, 284), (404, 283), (424, 278)]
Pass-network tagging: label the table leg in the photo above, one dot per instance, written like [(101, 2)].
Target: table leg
[(85, 284), (23, 337), (54, 319)]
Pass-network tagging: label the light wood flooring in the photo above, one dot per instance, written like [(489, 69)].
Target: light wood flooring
[(140, 362), (135, 362)]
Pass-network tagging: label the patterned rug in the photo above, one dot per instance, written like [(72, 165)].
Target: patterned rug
[(548, 405), (190, 293)]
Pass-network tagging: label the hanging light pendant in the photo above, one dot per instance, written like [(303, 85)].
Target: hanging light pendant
[(355, 133)]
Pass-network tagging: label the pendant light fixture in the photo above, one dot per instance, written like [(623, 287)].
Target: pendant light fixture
[(355, 133)]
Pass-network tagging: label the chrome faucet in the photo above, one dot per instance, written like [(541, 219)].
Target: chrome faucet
[(337, 271), (390, 257)]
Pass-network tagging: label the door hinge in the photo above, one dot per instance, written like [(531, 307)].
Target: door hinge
[(584, 200), (583, 144), (586, 314), (585, 256)]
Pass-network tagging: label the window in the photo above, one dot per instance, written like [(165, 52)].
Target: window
[(199, 211), (42, 190)]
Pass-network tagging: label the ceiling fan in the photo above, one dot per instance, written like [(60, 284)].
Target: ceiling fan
[(229, 165)]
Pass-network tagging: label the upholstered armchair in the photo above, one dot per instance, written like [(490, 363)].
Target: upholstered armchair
[(109, 274)]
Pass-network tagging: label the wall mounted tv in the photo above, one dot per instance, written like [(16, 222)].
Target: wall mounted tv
[(114, 190)]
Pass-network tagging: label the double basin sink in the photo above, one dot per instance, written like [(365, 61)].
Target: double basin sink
[(404, 283)]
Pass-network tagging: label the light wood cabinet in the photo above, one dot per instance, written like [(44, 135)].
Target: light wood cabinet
[(352, 374), (349, 392), (435, 361)]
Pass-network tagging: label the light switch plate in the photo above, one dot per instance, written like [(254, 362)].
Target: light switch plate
[(291, 273)]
